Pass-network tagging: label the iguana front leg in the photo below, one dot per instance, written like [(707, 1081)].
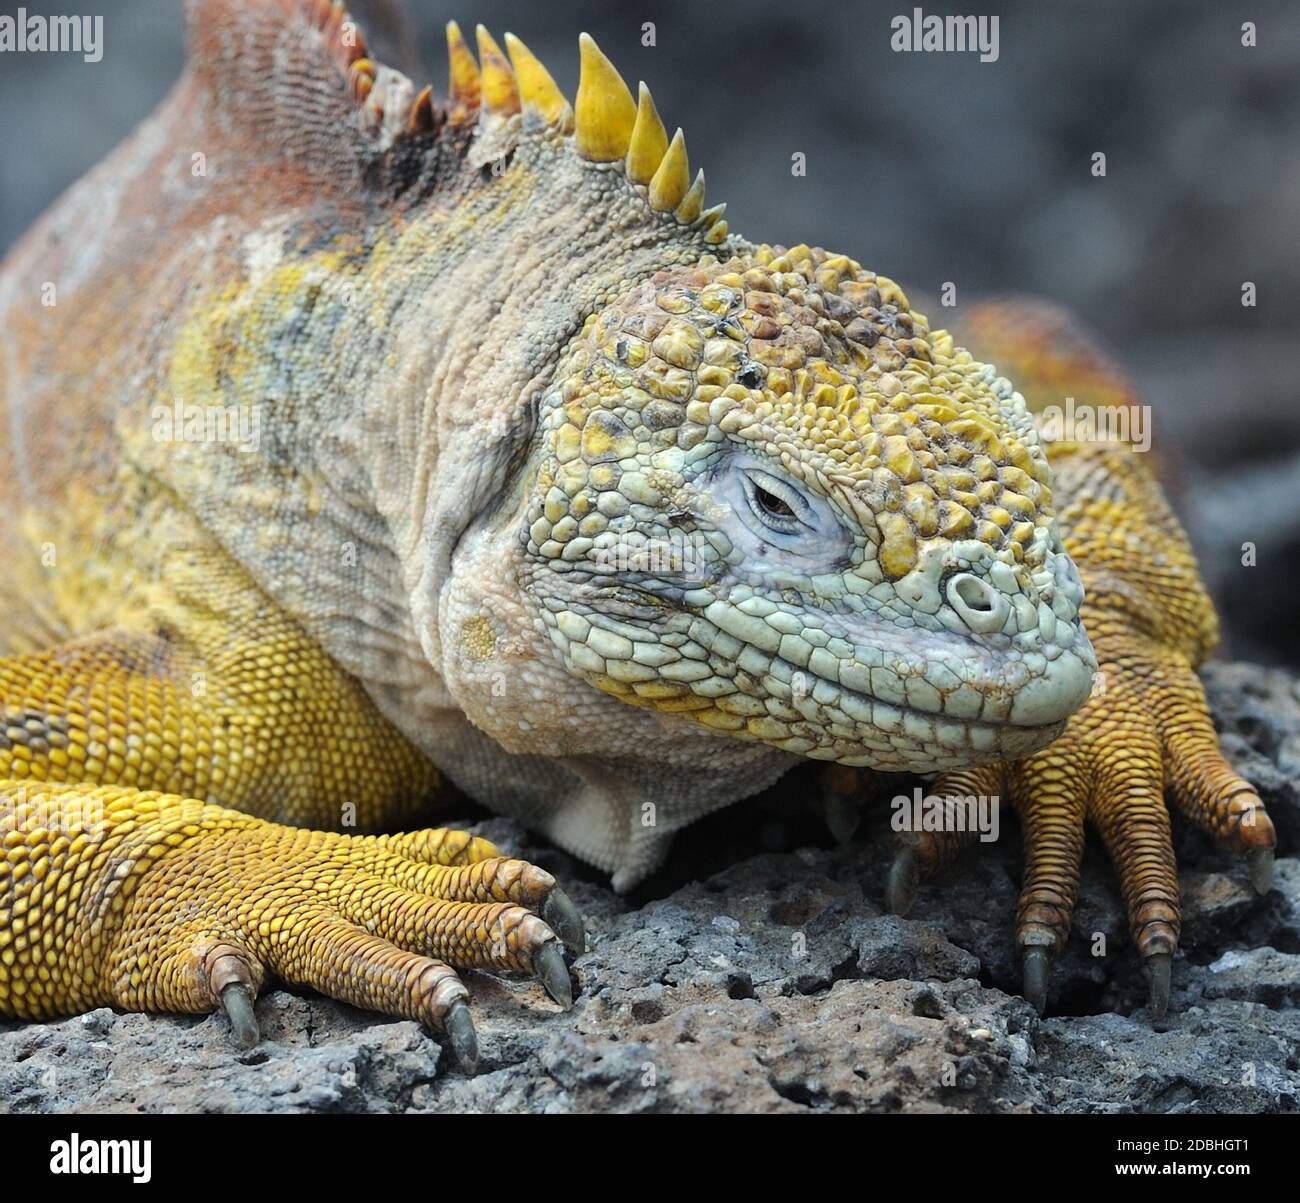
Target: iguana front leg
[(121, 887), (1147, 729), (153, 902)]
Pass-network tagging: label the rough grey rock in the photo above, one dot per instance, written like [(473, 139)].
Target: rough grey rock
[(766, 976)]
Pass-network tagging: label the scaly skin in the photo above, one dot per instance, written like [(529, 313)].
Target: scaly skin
[(547, 480)]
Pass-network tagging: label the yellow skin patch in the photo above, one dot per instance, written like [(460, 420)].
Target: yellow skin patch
[(917, 452), (906, 426), (174, 705), (478, 637)]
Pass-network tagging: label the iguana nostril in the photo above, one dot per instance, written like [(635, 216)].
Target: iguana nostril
[(974, 593), (979, 604)]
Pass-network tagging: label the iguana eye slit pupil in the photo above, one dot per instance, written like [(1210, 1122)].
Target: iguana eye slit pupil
[(774, 504), (771, 503), (764, 513)]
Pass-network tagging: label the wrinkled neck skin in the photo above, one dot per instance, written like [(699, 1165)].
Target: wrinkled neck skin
[(486, 352), (475, 302), (534, 269)]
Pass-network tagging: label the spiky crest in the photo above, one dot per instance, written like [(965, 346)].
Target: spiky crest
[(606, 126)]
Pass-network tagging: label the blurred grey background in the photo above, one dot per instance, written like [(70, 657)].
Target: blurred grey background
[(929, 168)]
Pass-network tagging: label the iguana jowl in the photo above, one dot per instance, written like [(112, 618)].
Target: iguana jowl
[(372, 439)]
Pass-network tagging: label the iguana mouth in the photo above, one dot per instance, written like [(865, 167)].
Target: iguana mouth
[(974, 724), (967, 704), (982, 740)]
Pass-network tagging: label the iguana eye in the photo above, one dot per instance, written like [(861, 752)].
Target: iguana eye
[(776, 504), (770, 518)]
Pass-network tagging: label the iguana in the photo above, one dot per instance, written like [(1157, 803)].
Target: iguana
[(356, 443)]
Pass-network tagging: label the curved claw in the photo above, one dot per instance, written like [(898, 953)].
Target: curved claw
[(548, 964), (1158, 966), (563, 918), (237, 1002), (1260, 863), (1036, 969), (904, 877), (842, 815), (460, 1031)]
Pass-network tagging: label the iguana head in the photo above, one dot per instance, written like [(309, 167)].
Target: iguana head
[(761, 494), (766, 496)]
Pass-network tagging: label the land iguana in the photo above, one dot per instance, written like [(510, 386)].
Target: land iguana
[(358, 444)]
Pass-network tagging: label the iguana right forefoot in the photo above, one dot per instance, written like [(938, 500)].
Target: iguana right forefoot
[(167, 904)]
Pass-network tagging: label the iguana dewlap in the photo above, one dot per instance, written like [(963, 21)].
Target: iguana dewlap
[(354, 441)]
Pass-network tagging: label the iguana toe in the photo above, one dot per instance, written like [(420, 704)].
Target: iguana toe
[(464, 1039), (904, 877), (354, 917), (237, 1001)]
